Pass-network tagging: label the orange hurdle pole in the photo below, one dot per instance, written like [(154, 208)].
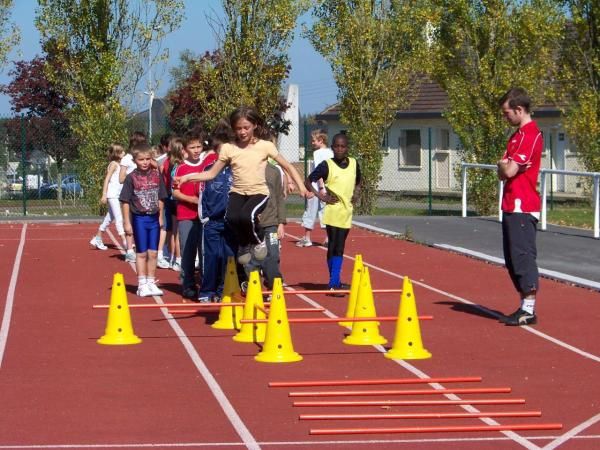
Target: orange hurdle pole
[(337, 291), (516, 427), (375, 381), (488, 401), (493, 390), (419, 415), (338, 319), (191, 311), (201, 306), (173, 305)]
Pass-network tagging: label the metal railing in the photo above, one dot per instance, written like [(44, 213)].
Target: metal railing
[(543, 173), (596, 194)]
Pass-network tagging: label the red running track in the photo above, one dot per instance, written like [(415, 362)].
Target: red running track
[(190, 385)]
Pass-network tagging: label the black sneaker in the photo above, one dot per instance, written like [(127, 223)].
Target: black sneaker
[(520, 317), (190, 294)]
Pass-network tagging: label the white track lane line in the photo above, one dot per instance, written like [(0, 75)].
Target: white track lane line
[(234, 418), (10, 294), (572, 433), (287, 443)]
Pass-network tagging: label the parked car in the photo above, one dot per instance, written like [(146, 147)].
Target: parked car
[(71, 187)]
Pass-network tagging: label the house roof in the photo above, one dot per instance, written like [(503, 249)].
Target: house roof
[(428, 101)]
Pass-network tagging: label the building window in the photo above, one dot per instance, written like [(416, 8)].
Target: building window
[(409, 154), (444, 139)]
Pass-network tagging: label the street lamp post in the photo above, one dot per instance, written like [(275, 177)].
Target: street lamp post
[(150, 94)]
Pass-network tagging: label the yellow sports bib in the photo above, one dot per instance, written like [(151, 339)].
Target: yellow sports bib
[(341, 183)]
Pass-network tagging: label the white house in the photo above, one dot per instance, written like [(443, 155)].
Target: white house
[(421, 130)]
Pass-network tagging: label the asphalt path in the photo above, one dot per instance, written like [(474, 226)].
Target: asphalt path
[(564, 253)]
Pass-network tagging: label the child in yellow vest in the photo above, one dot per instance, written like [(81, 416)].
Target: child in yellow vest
[(341, 176)]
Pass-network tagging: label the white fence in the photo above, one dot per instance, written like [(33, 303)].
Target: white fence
[(543, 174)]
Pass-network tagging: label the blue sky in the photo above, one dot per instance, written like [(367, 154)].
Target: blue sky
[(309, 70)]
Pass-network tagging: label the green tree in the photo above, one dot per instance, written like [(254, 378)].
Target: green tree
[(252, 61), (97, 51), (372, 48), (9, 33), (580, 76), (481, 49)]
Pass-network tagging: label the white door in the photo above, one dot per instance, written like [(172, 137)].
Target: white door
[(558, 159), (442, 170)]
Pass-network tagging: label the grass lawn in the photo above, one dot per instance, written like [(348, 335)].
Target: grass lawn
[(580, 214)]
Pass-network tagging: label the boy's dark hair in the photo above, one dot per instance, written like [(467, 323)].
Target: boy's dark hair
[(141, 148), (137, 137), (165, 139), (196, 134), (343, 136), (516, 97), (221, 134)]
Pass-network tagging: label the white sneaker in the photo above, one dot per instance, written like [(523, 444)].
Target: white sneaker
[(260, 251), (303, 242), (97, 242), (144, 290), (176, 266), (130, 256), (154, 289), (162, 263)]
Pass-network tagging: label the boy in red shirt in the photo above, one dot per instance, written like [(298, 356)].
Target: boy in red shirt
[(519, 169), (187, 196)]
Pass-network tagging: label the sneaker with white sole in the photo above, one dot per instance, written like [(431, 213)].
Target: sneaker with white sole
[(97, 242), (144, 291), (162, 263), (130, 256), (260, 251), (303, 242), (176, 266), (154, 288)]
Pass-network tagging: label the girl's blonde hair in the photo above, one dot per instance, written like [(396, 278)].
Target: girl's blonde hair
[(115, 152), (176, 149), (320, 134), (155, 151)]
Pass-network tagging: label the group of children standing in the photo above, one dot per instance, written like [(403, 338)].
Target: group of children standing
[(218, 195)]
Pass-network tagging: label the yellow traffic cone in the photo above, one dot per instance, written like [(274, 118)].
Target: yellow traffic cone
[(365, 333), (118, 326), (356, 273), (278, 346), (229, 317), (253, 309), (407, 341)]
